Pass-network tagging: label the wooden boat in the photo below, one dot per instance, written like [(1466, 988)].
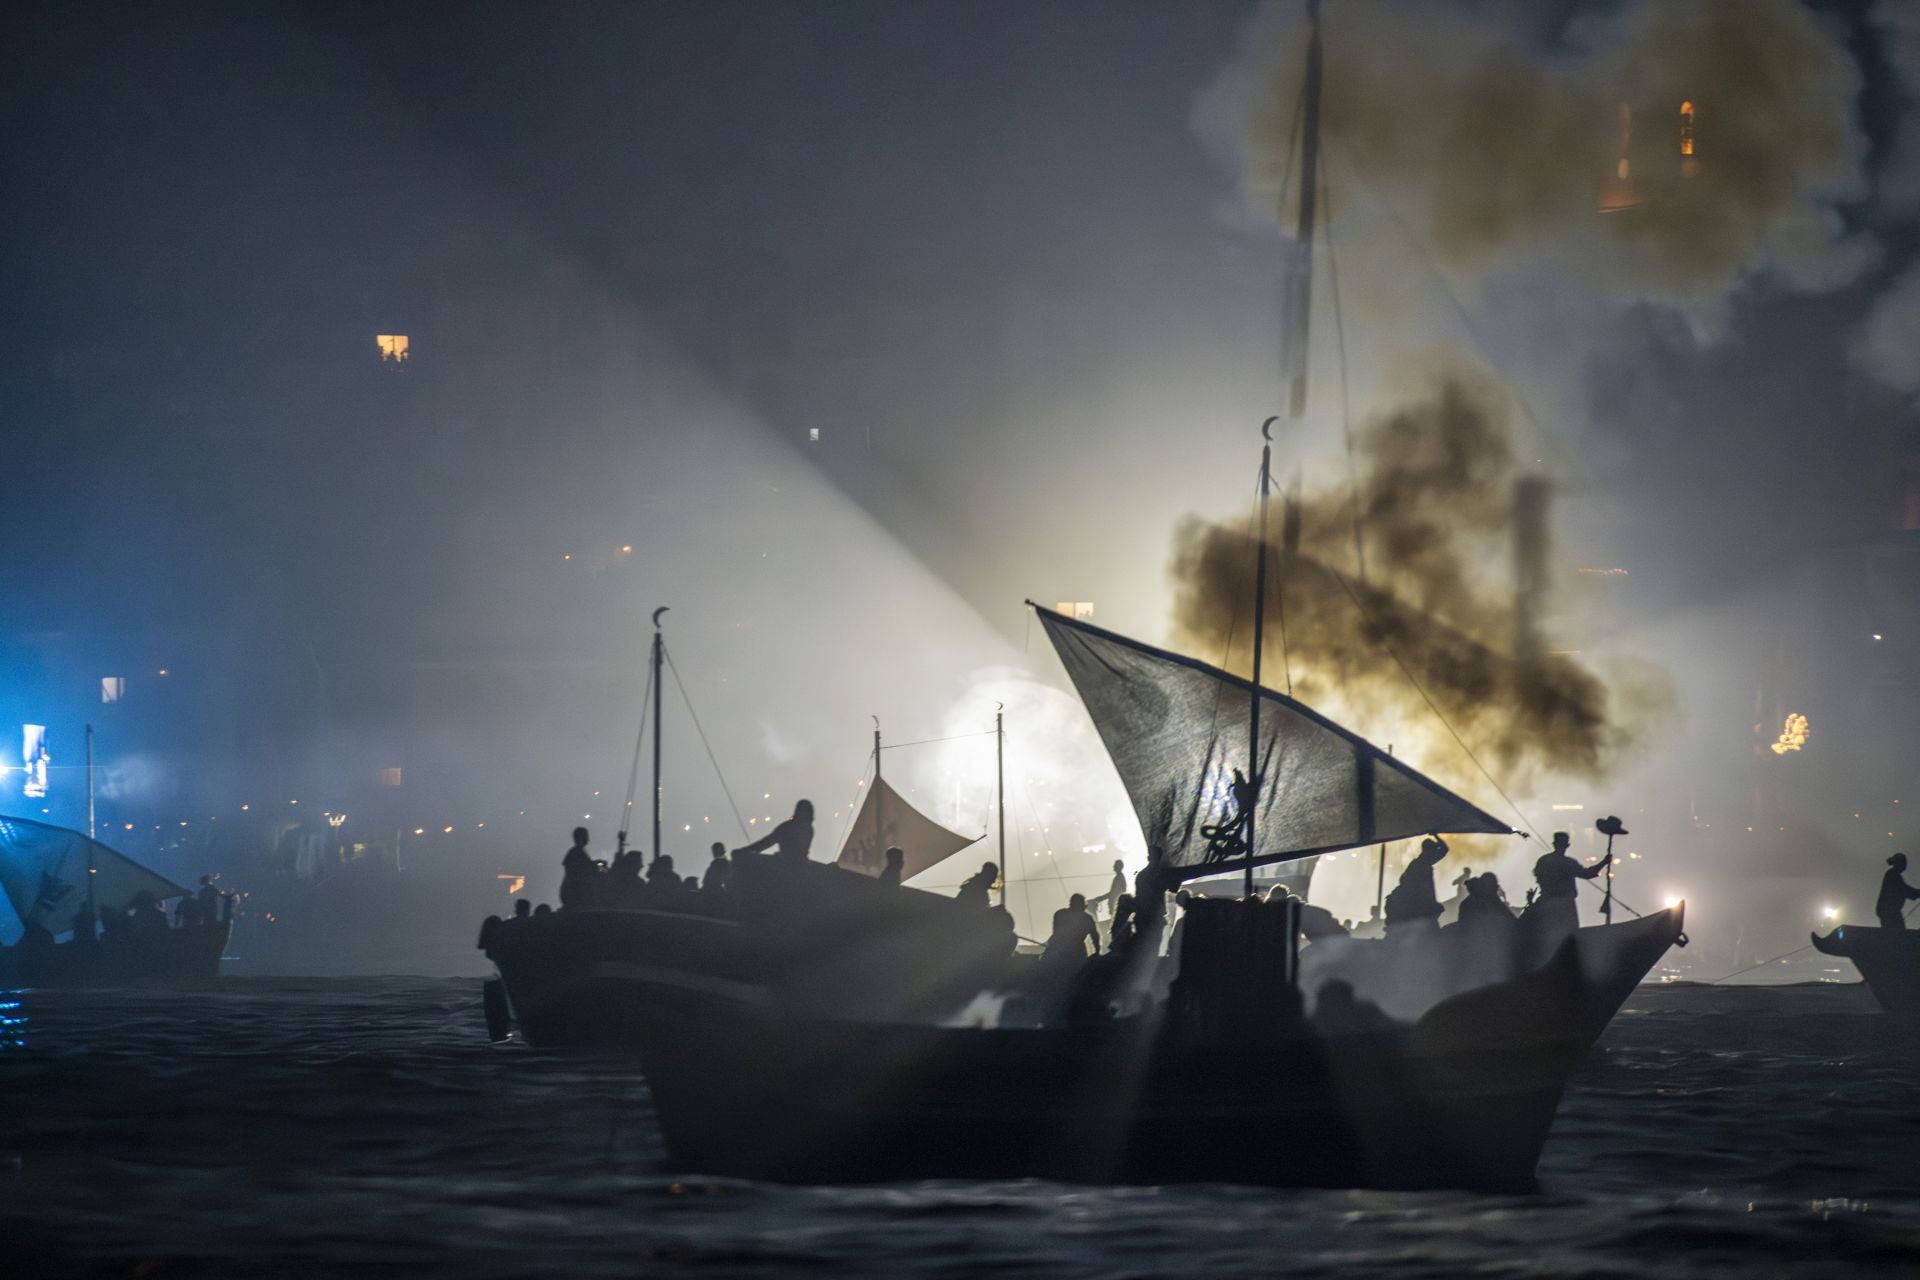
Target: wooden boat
[(1228, 1082), (1888, 961), (810, 938), (58, 881), (805, 937)]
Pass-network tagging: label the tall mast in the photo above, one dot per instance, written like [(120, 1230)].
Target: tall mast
[(879, 799), (92, 916), (1259, 632), (1302, 301), (659, 700), (1296, 312), (1000, 798)]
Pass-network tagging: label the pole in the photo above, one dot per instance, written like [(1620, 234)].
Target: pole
[(1000, 803), (1606, 904), (1380, 881), (92, 913), (1259, 630), (879, 804), (659, 700)]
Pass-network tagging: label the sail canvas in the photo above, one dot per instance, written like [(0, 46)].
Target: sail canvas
[(44, 873), (886, 820), (1177, 731)]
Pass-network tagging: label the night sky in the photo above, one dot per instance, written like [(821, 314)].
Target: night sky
[(998, 256)]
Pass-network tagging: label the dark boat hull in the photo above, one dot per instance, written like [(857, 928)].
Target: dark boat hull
[(159, 958), (1463, 1098), (1888, 961), (810, 939)]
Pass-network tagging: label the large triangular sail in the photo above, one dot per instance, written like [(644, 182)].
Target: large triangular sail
[(44, 873), (1178, 730), (886, 820)]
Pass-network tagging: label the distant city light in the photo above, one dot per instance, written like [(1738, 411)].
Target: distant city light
[(1793, 736), (419, 831), (1878, 636)]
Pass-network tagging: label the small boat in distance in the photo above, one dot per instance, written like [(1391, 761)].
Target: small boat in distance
[(1888, 961), (59, 882)]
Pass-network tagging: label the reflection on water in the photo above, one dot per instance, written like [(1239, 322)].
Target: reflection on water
[(13, 1022), (336, 1127)]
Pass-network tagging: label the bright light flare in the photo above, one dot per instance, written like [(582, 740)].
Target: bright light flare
[(1672, 900)]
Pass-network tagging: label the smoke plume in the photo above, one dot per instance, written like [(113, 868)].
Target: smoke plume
[(1494, 153), (1437, 500)]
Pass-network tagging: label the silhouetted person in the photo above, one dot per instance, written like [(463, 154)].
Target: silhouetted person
[(1183, 899), (209, 900), (186, 914), (1895, 893), (1412, 901), (1315, 922), (896, 867), (1120, 935), (691, 884), (1555, 908), (522, 909), (1117, 889), (661, 877), (794, 836), (719, 875), (577, 873), (543, 910), (1073, 932), (146, 914), (1484, 902), (975, 892)]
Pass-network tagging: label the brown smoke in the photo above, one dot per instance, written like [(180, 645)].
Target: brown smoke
[(1437, 485), (1490, 150)]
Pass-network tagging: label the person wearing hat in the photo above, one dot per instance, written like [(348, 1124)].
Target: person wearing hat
[(1895, 893)]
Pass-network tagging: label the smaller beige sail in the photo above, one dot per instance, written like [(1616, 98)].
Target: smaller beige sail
[(887, 820)]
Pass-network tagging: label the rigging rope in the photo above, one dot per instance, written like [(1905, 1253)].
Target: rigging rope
[(921, 742), (1438, 714), (1346, 407), (639, 744), (695, 715)]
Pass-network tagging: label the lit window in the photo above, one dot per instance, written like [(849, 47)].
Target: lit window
[(393, 347), (390, 777), (1075, 608), (813, 435), (113, 688), (1793, 736)]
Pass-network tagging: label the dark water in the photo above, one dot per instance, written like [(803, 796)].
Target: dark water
[(361, 1127)]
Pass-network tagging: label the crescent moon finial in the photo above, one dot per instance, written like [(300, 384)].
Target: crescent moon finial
[(1266, 428), (656, 616)]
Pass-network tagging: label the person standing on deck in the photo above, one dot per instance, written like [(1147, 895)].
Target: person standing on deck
[(1895, 893), (895, 868), (719, 876), (1555, 909), (1413, 901), (794, 837), (577, 873), (1073, 932), (1117, 888)]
